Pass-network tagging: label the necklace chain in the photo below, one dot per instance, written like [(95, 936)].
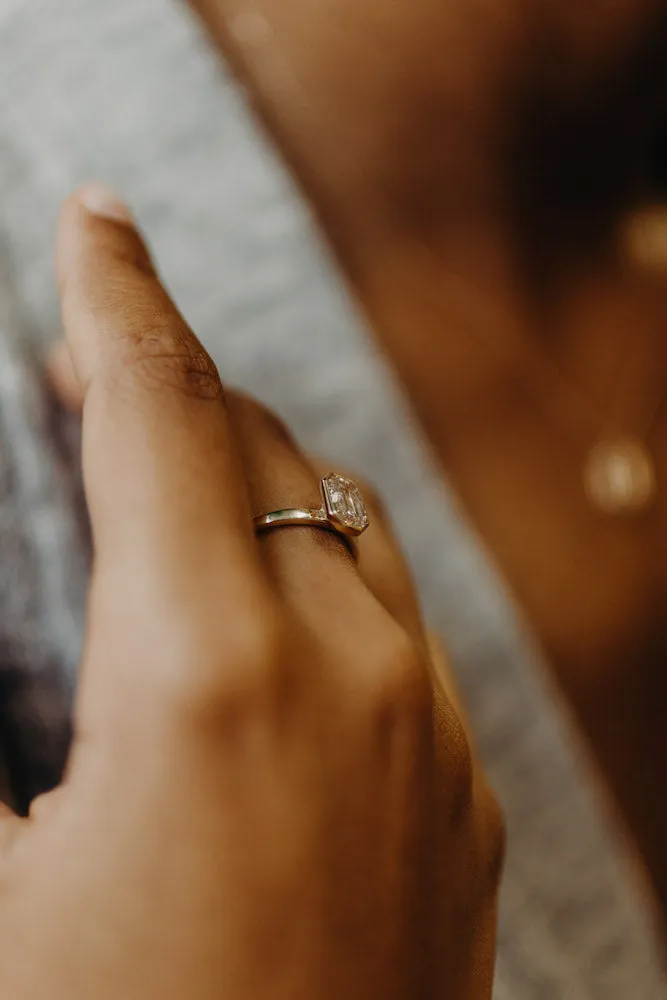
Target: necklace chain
[(550, 373), (618, 474)]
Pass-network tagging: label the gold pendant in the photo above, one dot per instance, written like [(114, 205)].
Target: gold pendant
[(619, 476)]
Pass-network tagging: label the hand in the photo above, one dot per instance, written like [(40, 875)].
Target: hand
[(266, 799)]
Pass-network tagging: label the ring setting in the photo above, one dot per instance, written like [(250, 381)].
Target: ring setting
[(343, 510)]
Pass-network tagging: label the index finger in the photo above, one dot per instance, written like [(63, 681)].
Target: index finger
[(163, 481)]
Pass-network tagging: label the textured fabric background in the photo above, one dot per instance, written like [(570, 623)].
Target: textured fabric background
[(128, 92)]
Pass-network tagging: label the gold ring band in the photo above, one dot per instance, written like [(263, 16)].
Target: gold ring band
[(343, 510)]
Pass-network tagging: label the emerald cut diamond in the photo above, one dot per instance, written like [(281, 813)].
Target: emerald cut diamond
[(344, 503)]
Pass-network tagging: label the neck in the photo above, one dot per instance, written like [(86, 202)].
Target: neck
[(460, 319), (450, 313)]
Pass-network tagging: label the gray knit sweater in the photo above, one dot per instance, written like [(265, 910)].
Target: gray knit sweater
[(127, 91)]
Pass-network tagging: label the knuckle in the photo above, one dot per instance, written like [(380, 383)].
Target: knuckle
[(165, 355), (226, 671), (255, 418), (254, 659), (398, 685)]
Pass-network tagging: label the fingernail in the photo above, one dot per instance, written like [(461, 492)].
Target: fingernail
[(102, 200)]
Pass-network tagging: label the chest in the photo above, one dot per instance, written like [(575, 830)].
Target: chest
[(592, 584)]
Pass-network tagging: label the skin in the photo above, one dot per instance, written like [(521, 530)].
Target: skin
[(473, 166), (270, 793)]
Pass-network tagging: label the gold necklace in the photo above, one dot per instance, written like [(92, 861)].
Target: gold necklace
[(619, 476), (618, 473)]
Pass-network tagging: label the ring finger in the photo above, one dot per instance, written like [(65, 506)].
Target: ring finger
[(313, 569)]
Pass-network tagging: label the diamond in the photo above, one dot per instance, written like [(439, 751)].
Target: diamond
[(344, 503)]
